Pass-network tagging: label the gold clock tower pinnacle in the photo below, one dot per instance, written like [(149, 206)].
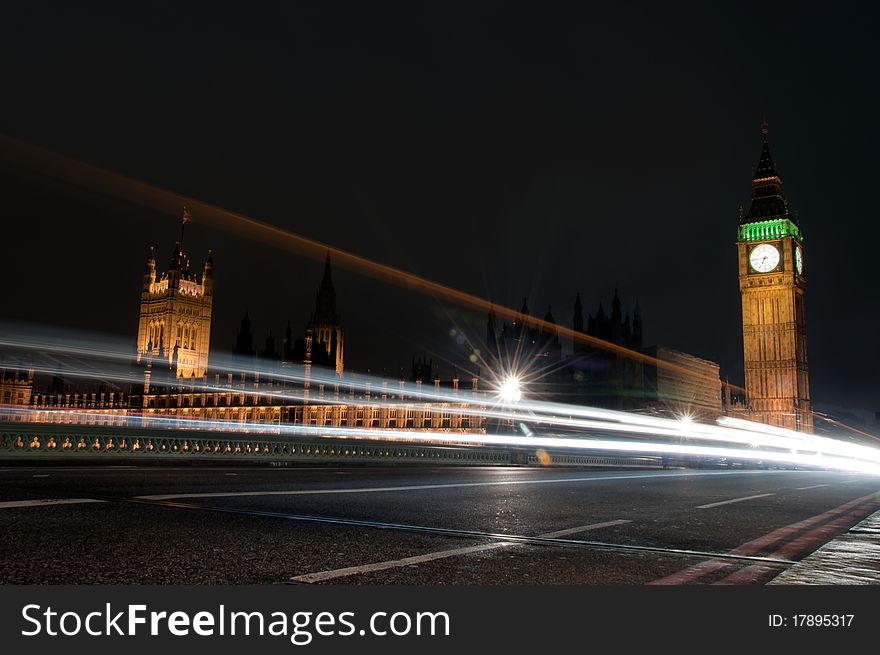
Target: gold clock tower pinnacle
[(772, 283)]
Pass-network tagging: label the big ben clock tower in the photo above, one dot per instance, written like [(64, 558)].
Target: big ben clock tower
[(772, 283)]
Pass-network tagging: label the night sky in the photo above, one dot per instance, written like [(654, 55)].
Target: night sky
[(506, 149)]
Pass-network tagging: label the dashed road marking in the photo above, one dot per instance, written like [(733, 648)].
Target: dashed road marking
[(321, 576), (584, 528), (733, 500)]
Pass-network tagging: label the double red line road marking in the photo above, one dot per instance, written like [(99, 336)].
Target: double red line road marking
[(795, 543)]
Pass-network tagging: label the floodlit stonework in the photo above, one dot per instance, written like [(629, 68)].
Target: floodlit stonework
[(772, 283)]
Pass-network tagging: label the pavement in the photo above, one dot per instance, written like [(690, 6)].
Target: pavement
[(418, 525), (853, 558)]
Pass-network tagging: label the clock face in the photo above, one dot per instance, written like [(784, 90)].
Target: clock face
[(799, 260), (764, 258)]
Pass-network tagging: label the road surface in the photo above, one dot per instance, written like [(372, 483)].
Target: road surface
[(418, 525)]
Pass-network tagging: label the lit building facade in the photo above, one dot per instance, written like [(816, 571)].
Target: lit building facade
[(770, 250), (175, 381), (16, 388), (175, 315), (685, 385)]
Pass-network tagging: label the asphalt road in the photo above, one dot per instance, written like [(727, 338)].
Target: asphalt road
[(418, 525)]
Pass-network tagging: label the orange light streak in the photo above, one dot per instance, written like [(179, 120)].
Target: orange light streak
[(68, 170)]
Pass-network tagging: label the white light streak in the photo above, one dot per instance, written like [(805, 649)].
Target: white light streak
[(586, 428)]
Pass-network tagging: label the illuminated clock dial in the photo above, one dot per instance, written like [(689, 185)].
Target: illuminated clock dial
[(799, 260), (764, 258)]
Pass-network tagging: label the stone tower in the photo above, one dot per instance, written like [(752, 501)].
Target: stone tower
[(772, 283), (175, 316), (324, 336)]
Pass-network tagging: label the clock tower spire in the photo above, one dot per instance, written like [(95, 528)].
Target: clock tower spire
[(772, 285)]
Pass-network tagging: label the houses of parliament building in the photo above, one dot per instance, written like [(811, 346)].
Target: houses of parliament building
[(171, 375), (279, 383)]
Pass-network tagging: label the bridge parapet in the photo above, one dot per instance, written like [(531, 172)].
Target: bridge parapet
[(69, 441)]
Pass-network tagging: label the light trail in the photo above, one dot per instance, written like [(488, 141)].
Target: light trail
[(568, 443), (296, 374), (68, 170), (603, 420), (631, 425), (815, 441), (845, 426), (465, 403), (484, 406)]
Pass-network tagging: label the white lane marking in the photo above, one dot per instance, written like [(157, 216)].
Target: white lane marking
[(230, 474), (44, 475), (46, 501), (420, 487), (733, 500), (814, 486), (320, 576), (584, 528), (392, 564)]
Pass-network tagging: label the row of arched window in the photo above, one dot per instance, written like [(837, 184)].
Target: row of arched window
[(156, 333), (187, 334)]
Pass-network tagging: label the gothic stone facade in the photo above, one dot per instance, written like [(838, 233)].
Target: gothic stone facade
[(771, 278), (175, 315)]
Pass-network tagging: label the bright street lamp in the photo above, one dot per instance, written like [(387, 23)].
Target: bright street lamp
[(510, 390)]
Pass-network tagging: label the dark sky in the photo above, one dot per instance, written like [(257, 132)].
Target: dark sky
[(507, 149)]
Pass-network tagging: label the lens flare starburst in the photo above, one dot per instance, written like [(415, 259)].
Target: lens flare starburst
[(510, 390)]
